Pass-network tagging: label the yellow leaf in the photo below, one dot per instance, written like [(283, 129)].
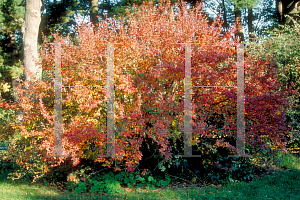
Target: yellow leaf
[(5, 87)]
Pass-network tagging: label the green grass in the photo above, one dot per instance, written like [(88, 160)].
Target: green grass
[(284, 184)]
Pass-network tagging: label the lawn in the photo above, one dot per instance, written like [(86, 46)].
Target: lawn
[(282, 183)]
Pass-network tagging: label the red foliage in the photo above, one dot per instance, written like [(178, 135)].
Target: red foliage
[(146, 91)]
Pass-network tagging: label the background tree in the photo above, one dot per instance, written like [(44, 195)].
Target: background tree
[(59, 15), (287, 7), (11, 19), (94, 12), (118, 8), (256, 15), (233, 9), (264, 18)]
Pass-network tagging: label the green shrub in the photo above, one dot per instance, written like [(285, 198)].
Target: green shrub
[(284, 47), (81, 187), (113, 182)]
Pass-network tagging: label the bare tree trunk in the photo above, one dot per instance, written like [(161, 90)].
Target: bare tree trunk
[(240, 34), (94, 12), (250, 24), (287, 7), (280, 11), (30, 30), (225, 25), (30, 38)]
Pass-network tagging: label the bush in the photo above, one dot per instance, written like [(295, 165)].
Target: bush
[(60, 173), (284, 47), (153, 109), (112, 182), (7, 166)]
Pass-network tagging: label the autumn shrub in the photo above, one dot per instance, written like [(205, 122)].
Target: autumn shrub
[(149, 76)]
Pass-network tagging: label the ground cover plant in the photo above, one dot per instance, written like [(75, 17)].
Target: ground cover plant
[(280, 185), (149, 108)]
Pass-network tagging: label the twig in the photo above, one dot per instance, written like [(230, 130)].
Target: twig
[(158, 164), (21, 176), (197, 177), (181, 178), (96, 172)]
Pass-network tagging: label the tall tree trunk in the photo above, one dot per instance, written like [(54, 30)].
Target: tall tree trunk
[(280, 11), (240, 34), (30, 30), (30, 38), (250, 24), (94, 12), (225, 25)]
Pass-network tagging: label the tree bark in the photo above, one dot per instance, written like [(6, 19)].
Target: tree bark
[(225, 25), (30, 30), (30, 38), (240, 34), (280, 11), (250, 24), (94, 12), (287, 7)]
